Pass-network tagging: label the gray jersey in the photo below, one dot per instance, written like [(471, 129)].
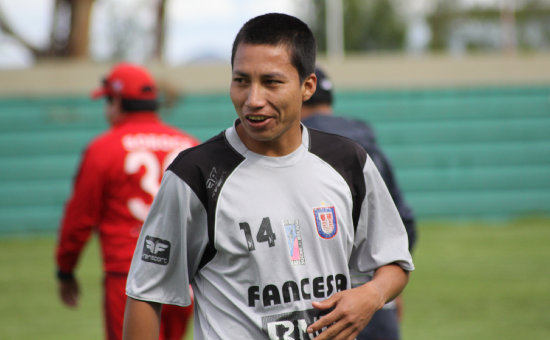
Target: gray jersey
[(260, 238)]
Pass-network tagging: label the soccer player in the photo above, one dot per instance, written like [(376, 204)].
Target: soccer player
[(118, 177), (317, 113), (269, 220)]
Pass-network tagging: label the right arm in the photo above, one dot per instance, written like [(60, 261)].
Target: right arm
[(141, 320), (163, 254), (82, 213)]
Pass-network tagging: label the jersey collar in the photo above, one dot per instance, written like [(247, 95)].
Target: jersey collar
[(233, 139)]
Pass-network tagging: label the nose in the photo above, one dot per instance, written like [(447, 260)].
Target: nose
[(255, 97)]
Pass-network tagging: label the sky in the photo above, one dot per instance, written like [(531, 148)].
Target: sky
[(194, 28), (214, 25)]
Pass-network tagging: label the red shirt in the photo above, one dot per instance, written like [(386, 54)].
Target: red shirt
[(118, 177)]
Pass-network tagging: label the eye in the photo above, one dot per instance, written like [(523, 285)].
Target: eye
[(239, 80), (272, 82)]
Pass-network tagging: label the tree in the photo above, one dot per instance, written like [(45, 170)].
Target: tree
[(373, 26), (70, 30), (78, 38), (159, 30), (74, 15), (525, 26), (368, 26)]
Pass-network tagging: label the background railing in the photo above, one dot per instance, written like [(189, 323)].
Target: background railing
[(460, 153)]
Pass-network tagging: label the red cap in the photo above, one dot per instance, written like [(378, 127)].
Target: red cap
[(127, 81)]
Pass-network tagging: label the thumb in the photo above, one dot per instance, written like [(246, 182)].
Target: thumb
[(325, 304)]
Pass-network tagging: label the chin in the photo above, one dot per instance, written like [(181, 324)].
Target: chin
[(260, 137)]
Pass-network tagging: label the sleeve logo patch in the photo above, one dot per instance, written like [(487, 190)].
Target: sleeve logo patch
[(325, 220), (156, 250)]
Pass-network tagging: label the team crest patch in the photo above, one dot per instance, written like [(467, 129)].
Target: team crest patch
[(156, 250), (294, 241), (325, 219)]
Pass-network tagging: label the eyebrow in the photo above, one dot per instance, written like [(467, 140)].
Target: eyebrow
[(239, 73), (274, 75), (263, 76)]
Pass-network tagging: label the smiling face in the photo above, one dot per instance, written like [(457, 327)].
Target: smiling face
[(267, 95)]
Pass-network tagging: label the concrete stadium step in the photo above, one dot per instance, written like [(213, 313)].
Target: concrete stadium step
[(453, 155), (457, 153)]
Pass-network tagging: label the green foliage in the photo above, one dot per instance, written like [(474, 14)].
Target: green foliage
[(529, 17), (368, 26), (372, 26), (318, 24), (473, 281), (440, 24)]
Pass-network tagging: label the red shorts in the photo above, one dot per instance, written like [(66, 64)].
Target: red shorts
[(174, 319)]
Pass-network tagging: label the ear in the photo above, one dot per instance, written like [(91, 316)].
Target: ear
[(117, 103), (309, 86)]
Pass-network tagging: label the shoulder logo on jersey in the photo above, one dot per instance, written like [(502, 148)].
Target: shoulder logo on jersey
[(212, 178), (214, 181), (325, 220), (156, 250), (294, 241)]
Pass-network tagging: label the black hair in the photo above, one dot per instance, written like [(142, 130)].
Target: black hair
[(136, 105), (323, 93), (276, 28)]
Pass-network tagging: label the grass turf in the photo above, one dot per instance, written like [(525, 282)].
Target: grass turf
[(473, 281), (480, 282)]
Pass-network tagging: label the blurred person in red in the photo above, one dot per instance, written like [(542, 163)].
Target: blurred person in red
[(118, 177)]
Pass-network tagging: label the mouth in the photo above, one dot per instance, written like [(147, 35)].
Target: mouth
[(256, 118), (258, 121)]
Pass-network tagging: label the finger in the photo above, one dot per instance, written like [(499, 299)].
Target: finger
[(341, 330), (329, 333), (327, 319), (70, 299), (324, 322), (69, 295), (348, 333), (325, 304), (322, 305)]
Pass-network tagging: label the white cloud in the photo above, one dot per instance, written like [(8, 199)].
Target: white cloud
[(200, 29), (32, 19), (195, 28)]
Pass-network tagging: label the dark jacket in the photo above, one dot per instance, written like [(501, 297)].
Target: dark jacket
[(364, 135)]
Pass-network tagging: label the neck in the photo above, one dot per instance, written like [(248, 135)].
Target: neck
[(117, 118), (282, 145)]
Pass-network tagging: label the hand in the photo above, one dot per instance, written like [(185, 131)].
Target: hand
[(69, 292), (399, 307), (352, 311)]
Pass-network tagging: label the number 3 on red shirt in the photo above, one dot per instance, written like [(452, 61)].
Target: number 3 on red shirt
[(150, 181)]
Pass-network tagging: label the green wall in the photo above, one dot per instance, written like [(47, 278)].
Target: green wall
[(463, 153)]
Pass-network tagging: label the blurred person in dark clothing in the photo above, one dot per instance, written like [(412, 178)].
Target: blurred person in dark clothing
[(317, 113)]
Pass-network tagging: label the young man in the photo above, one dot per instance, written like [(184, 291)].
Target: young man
[(268, 220), (119, 175), (317, 113)]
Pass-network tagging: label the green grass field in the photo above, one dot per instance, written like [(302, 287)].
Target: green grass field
[(474, 282)]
